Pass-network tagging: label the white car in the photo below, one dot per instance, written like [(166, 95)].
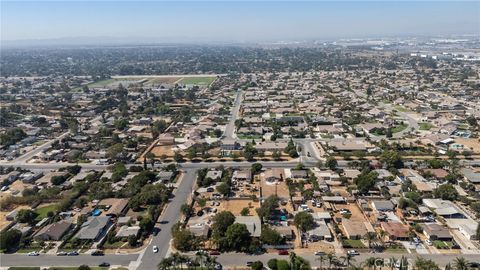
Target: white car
[(33, 253), (155, 249), (429, 242), (319, 253), (353, 252)]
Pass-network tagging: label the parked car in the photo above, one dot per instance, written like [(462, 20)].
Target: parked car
[(249, 263), (61, 253), (283, 252), (72, 253), (98, 253), (104, 264), (214, 252), (353, 252), (429, 242), (319, 253), (155, 249), (156, 230), (33, 253)]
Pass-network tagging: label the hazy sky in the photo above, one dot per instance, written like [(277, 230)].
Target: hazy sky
[(234, 21)]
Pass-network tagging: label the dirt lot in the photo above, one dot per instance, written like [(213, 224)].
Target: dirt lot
[(3, 214), (356, 212), (474, 144), (280, 189), (158, 151), (236, 206)]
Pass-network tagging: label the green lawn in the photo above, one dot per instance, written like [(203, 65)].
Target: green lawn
[(198, 80), (399, 128), (400, 108), (43, 211), (75, 268), (442, 244), (23, 268), (250, 137), (353, 243), (425, 126)]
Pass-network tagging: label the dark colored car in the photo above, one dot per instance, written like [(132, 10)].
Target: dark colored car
[(283, 252), (104, 264), (156, 231), (214, 253), (98, 253)]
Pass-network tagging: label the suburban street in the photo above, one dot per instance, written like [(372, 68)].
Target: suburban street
[(25, 157), (52, 260), (148, 259), (230, 128)]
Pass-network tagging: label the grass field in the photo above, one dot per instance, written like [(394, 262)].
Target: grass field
[(400, 108), (42, 212), (425, 126), (197, 80), (399, 128), (353, 243)]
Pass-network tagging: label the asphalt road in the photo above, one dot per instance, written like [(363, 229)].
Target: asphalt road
[(170, 216), (25, 157), (230, 128), (240, 259), (52, 260)]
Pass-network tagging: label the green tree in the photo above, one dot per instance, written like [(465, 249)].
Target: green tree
[(446, 192), (266, 209), (26, 216), (391, 159), (272, 264), (460, 263), (331, 163), (304, 221), (184, 240), (223, 189), (84, 267), (238, 237), (425, 264), (132, 240), (283, 265), (256, 168), (220, 223), (177, 157), (245, 211), (270, 237), (10, 239), (258, 265)]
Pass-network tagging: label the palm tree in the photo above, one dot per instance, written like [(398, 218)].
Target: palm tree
[(460, 263), (292, 257), (370, 237), (165, 264), (369, 262), (321, 259), (331, 258), (393, 261), (349, 259), (448, 267)]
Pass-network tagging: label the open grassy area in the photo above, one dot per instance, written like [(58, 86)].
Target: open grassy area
[(400, 108), (425, 126), (23, 268), (442, 244), (399, 128), (42, 212), (197, 80), (353, 243)]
